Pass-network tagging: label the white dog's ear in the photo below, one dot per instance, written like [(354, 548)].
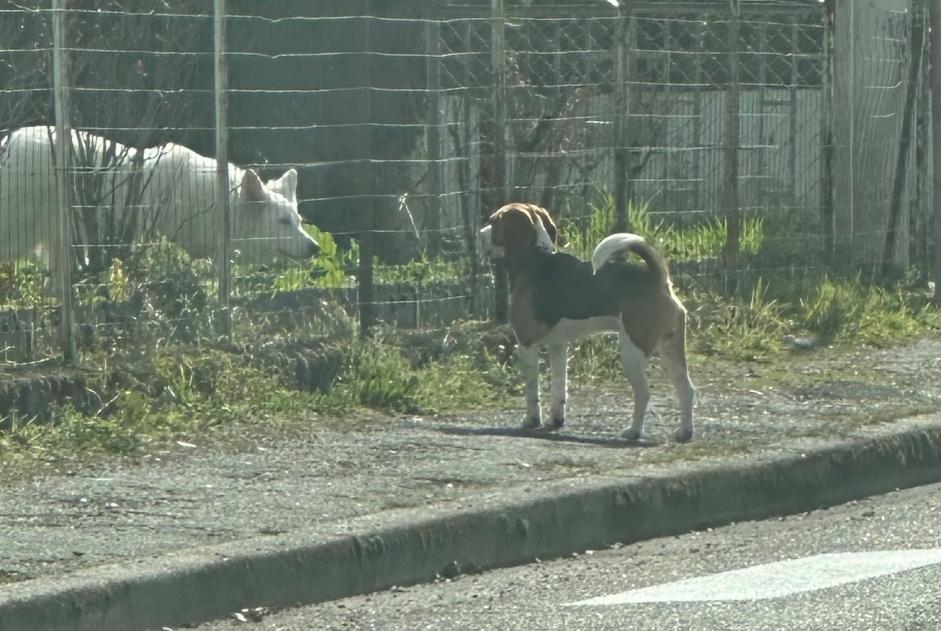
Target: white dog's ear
[(286, 185), (252, 190)]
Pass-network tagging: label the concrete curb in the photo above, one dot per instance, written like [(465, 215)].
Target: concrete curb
[(304, 568)]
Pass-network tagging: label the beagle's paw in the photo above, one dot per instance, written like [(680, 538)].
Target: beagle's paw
[(531, 422)]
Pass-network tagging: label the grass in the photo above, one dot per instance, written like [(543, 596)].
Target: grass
[(180, 392), (177, 382), (186, 394), (848, 310), (695, 242)]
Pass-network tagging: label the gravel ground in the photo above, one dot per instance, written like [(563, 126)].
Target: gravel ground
[(335, 472)]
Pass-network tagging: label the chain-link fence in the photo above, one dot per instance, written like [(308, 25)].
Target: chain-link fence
[(762, 137)]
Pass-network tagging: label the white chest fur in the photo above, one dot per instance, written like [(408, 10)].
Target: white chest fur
[(566, 330)]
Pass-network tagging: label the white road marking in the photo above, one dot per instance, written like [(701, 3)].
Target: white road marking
[(774, 580)]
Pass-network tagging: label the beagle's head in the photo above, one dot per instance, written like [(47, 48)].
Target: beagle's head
[(517, 227)]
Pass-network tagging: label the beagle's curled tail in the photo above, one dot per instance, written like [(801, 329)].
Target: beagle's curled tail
[(614, 244)]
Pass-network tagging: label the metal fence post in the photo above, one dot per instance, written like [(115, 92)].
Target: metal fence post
[(848, 245), (731, 209), (826, 137), (900, 177), (470, 213), (501, 182), (434, 139), (365, 274), (934, 16), (63, 181), (222, 165), (621, 114)]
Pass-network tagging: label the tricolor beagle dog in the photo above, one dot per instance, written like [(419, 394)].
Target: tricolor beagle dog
[(555, 298)]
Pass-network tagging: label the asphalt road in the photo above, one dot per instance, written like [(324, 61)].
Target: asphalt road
[(870, 564)]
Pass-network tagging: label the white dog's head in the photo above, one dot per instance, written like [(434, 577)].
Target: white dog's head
[(266, 222)]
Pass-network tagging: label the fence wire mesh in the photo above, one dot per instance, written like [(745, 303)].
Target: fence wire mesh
[(794, 131)]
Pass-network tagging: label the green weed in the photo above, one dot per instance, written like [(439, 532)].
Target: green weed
[(595, 357), (848, 310), (378, 376), (21, 284), (736, 328), (332, 266), (465, 381), (678, 243), (420, 270)]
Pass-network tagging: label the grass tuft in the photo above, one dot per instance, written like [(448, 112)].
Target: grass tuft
[(848, 310), (706, 240)]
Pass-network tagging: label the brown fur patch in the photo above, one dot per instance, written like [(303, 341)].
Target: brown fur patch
[(527, 327), (649, 316), (513, 225)]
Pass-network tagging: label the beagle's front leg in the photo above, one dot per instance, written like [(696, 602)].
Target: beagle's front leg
[(529, 364), (558, 364)]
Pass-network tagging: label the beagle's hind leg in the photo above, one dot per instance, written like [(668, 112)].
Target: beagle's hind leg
[(673, 354), (634, 362)]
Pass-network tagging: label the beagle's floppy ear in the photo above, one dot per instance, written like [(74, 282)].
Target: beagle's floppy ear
[(512, 226), (497, 230), (543, 216)]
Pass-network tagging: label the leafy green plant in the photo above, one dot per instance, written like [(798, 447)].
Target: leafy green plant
[(331, 267), (21, 284)]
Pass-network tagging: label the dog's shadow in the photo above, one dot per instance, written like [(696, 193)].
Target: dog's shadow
[(544, 434)]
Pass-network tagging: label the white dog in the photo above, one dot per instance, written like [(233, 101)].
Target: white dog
[(164, 191)]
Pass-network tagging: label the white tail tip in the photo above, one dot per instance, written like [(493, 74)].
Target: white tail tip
[(611, 246)]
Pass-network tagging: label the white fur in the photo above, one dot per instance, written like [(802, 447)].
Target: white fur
[(611, 246), (634, 364), (558, 365), (674, 361), (543, 240), (177, 199), (557, 341), (529, 363), (570, 330)]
